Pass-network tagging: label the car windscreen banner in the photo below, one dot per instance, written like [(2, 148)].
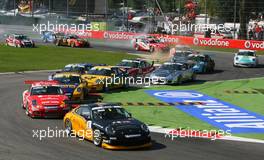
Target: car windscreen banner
[(218, 113)]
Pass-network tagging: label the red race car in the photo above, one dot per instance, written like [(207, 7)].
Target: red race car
[(44, 99), (149, 43), (19, 40), (72, 41), (136, 67)]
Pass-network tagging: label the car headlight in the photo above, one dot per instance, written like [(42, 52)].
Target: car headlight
[(236, 58), (34, 103), (144, 128), (169, 77), (110, 130), (98, 81), (79, 89), (62, 104), (254, 59)]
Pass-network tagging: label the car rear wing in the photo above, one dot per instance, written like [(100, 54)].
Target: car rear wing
[(42, 82)]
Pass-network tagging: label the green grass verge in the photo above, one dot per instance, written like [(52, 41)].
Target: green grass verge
[(52, 57), (221, 49), (174, 118)]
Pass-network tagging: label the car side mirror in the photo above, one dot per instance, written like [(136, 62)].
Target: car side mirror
[(130, 115), (86, 116), (152, 64)]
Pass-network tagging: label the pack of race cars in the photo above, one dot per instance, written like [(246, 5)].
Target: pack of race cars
[(72, 93)]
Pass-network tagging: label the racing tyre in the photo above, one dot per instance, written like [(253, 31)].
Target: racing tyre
[(179, 80), (152, 49), (105, 88), (137, 47), (193, 77), (57, 43), (72, 45), (97, 138), (68, 126), (27, 111)]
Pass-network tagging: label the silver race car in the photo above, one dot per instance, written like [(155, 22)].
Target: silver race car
[(172, 73)]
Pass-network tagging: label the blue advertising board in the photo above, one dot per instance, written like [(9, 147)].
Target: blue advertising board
[(218, 113)]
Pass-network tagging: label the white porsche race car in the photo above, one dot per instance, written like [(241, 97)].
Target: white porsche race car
[(246, 58)]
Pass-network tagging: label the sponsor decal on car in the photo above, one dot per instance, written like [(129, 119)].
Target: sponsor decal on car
[(218, 113)]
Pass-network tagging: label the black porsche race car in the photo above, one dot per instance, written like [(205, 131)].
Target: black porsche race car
[(108, 125)]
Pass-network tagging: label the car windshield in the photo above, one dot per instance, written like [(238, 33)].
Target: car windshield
[(68, 80), (129, 64), (246, 54), (182, 54), (197, 58), (110, 114), (73, 69), (73, 37), (154, 41), (179, 59), (46, 90), (100, 71), (21, 37), (170, 67)]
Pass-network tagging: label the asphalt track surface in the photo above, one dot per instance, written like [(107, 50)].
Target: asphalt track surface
[(17, 141)]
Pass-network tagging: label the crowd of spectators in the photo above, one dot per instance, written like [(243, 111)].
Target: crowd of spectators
[(256, 32)]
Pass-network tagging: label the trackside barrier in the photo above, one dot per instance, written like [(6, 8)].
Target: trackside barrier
[(171, 39)]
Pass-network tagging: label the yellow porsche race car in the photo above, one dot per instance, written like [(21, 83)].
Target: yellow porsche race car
[(103, 78), (72, 85), (107, 125)]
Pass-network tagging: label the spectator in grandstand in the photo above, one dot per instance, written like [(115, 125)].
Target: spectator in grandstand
[(250, 34), (257, 30), (261, 34)]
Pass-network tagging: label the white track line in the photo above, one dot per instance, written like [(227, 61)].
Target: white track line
[(157, 129)]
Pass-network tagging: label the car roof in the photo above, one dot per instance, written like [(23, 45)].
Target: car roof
[(104, 67), (35, 83), (95, 106), (66, 74), (172, 63), (246, 50), (131, 60)]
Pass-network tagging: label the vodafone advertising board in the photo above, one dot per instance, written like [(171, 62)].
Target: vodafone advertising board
[(170, 39)]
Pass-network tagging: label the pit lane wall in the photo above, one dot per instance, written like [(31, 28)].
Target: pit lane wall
[(171, 39)]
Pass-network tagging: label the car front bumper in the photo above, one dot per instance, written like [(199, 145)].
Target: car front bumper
[(125, 143), (245, 64), (48, 113)]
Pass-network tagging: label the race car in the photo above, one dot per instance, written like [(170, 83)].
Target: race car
[(72, 41), (136, 67), (51, 37), (103, 78), (202, 63), (107, 125), (44, 99), (149, 43), (19, 40), (72, 85), (245, 58), (172, 73)]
